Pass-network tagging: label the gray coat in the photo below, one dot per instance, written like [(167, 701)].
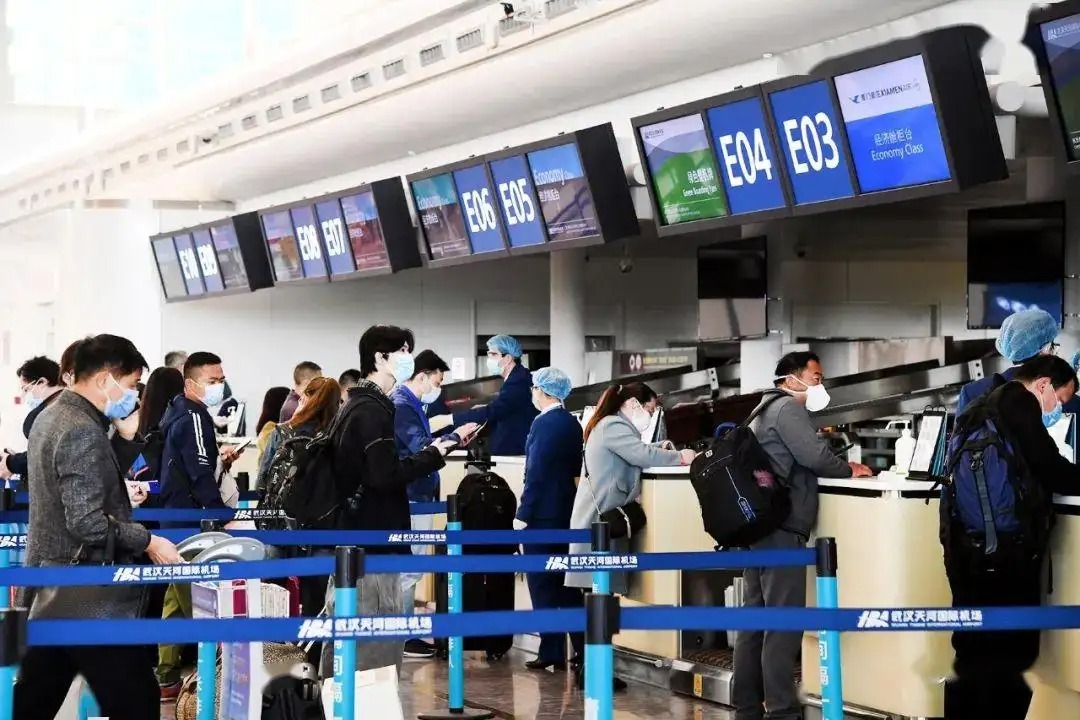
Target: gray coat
[(76, 485), (614, 458)]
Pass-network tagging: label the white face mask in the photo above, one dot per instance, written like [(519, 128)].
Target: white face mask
[(637, 415), (817, 397)]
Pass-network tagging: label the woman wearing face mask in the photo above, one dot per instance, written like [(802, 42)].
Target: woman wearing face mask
[(615, 455)]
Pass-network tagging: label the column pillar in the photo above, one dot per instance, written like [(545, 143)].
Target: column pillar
[(757, 361), (568, 313)]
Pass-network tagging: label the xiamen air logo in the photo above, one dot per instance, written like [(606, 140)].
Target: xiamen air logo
[(557, 562), (874, 619), (914, 85)]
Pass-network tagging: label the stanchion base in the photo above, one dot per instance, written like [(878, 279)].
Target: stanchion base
[(463, 714)]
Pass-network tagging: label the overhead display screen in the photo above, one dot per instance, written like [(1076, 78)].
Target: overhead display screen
[(748, 163), (365, 232), (168, 264), (1061, 38), (281, 242), (189, 264), (517, 198), (563, 191), (208, 263), (813, 151), (892, 126), (229, 258), (683, 170), (335, 238), (307, 239), (440, 216), (478, 204)]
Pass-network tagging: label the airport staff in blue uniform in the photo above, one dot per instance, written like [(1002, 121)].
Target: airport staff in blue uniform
[(511, 412), (1023, 335), (552, 465)]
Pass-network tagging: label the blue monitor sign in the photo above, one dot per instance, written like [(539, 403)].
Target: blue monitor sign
[(746, 156), (892, 126), (478, 206), (185, 249), (810, 143), (307, 238), (517, 197), (208, 263)]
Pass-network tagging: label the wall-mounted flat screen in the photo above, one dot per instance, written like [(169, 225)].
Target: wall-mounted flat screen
[(208, 263), (478, 204), (168, 265), (335, 238), (281, 242), (309, 241), (748, 160), (189, 264), (892, 125), (1061, 39), (517, 198), (563, 191), (440, 217), (732, 289), (810, 141), (1015, 261), (365, 232), (229, 257), (683, 170)]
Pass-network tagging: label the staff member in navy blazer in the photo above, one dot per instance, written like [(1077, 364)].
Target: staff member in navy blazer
[(511, 412), (552, 464)]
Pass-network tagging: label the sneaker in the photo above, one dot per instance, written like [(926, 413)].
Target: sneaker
[(417, 648), (169, 691)]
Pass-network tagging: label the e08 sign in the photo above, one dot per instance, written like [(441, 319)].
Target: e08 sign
[(809, 136), (746, 156)]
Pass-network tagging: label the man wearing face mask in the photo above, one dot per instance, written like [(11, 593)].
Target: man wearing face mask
[(511, 412), (989, 666), (39, 385), (412, 431), (373, 476), (764, 679)]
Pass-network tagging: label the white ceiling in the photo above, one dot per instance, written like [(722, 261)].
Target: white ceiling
[(646, 46)]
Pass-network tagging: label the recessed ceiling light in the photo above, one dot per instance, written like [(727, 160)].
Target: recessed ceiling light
[(766, 55)]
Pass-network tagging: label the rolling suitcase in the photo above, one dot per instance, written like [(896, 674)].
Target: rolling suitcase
[(485, 502)]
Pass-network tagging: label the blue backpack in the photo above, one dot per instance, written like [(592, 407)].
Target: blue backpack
[(991, 497)]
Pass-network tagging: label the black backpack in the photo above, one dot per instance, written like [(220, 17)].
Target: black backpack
[(291, 459), (291, 698), (311, 495), (742, 500), (486, 502)]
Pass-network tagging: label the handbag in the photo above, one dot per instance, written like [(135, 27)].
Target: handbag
[(117, 602), (623, 521)]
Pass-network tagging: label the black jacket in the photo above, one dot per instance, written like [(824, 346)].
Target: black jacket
[(1020, 418), (17, 463), (367, 467)]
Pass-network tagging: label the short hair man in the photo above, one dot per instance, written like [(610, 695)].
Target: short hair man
[(302, 374), (176, 359), (79, 510), (348, 380), (765, 662), (39, 385)]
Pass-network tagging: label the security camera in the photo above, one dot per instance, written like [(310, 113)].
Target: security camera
[(206, 139), (626, 265), (508, 9)]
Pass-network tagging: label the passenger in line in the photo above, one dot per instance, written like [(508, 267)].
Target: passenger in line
[(764, 678), (511, 412), (79, 509), (552, 463), (39, 385), (273, 400), (989, 666), (302, 375), (1024, 335), (611, 477), (412, 431), (374, 479), (176, 359), (348, 380)]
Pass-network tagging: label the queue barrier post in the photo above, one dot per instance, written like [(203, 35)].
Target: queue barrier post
[(348, 569), (601, 621), (456, 645), (832, 690)]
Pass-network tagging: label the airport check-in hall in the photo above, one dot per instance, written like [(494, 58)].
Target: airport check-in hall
[(598, 359)]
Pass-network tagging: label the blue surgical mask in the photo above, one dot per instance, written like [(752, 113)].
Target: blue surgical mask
[(431, 396), (120, 409), (402, 365), (1051, 418), (214, 394), (493, 366)]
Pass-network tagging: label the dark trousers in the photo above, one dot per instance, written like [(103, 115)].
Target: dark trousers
[(121, 678), (763, 686), (548, 591), (989, 668)]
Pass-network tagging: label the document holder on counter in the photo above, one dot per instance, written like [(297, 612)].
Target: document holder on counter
[(928, 460)]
